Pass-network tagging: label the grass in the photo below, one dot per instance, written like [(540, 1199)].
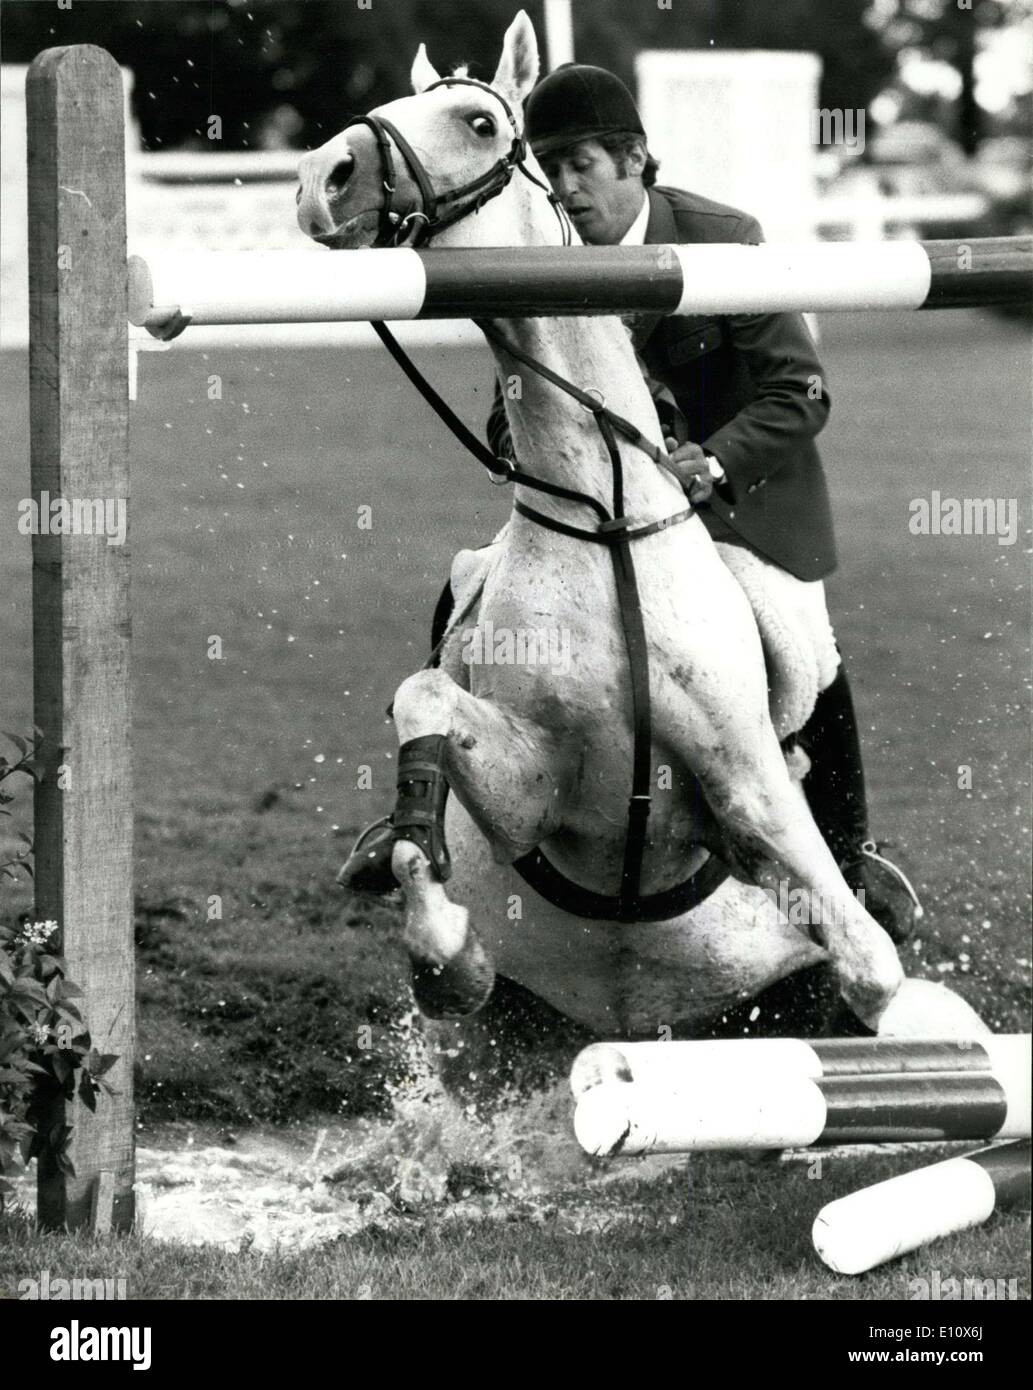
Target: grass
[(718, 1229), (253, 771), (257, 1015)]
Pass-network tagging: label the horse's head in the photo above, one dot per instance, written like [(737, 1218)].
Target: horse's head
[(422, 166)]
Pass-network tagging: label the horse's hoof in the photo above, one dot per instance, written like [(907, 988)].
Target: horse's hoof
[(456, 988), (870, 996), (368, 867)]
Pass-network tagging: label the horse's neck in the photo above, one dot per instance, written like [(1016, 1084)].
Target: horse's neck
[(557, 439)]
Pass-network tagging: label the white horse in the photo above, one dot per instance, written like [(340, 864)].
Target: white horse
[(539, 755)]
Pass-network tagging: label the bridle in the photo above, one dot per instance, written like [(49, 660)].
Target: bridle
[(441, 210), (614, 530)]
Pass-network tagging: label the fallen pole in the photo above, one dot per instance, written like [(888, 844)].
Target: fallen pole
[(171, 289), (765, 1110), (877, 1224), (669, 1063)]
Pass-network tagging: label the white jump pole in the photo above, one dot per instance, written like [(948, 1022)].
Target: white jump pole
[(856, 1233), (719, 1112), (766, 1110), (171, 289), (672, 1063)]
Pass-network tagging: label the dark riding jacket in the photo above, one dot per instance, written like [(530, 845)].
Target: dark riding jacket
[(752, 393)]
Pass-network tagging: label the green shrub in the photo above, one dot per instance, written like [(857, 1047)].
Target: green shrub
[(45, 1050)]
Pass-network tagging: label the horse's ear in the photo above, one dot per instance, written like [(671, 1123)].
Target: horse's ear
[(423, 70), (518, 67)]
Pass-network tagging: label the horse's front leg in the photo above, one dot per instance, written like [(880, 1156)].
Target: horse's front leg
[(504, 770)]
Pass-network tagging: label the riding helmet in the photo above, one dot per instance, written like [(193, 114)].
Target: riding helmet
[(578, 102)]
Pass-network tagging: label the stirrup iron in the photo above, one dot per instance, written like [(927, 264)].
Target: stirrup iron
[(870, 850)]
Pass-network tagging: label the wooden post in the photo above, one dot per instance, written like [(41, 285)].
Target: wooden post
[(78, 360)]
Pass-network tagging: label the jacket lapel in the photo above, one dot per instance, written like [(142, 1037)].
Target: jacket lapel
[(661, 230)]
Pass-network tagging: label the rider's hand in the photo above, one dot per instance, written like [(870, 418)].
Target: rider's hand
[(689, 465)]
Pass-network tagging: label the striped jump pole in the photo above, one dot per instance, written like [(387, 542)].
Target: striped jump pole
[(735, 1107), (169, 290), (879, 1223), (673, 1063)]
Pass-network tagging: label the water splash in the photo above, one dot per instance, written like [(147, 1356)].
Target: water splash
[(435, 1159)]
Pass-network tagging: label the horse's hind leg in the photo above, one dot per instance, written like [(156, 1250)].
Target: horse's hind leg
[(772, 841), (503, 770)]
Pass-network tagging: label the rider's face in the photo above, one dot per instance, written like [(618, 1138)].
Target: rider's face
[(600, 201)]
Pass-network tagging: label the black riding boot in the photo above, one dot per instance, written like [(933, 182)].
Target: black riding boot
[(835, 792), (834, 786), (443, 610)]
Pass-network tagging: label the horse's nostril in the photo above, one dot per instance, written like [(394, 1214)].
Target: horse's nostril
[(340, 174)]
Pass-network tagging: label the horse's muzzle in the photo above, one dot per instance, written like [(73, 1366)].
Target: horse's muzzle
[(341, 193)]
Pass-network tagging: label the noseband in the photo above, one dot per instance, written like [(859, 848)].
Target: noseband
[(440, 210)]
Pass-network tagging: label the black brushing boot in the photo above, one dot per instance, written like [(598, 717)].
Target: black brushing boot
[(835, 792), (368, 866), (419, 815)]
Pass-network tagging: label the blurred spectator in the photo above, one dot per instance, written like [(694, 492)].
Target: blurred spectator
[(280, 129)]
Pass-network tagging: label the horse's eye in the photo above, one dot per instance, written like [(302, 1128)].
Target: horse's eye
[(482, 125)]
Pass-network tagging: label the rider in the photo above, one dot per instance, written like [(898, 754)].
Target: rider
[(740, 398)]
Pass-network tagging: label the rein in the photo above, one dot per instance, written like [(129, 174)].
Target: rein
[(614, 529)]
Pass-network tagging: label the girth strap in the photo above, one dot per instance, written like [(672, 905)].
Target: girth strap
[(556, 888), (640, 802)]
